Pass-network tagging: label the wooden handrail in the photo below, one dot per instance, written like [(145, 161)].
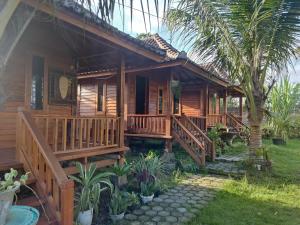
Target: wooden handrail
[(189, 142), (38, 157), (65, 133), (231, 116), (46, 151), (146, 115), (148, 124), (198, 129)]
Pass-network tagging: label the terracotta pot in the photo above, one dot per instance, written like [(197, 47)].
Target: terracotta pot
[(86, 217), (118, 217), (6, 199), (146, 199)]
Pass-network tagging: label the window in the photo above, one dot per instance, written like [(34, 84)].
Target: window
[(37, 84), (62, 88), (160, 101), (100, 98), (176, 105)]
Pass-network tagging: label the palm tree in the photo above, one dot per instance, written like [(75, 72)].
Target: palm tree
[(253, 40)]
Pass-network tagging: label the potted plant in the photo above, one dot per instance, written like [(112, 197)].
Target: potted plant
[(119, 203), (121, 172), (88, 196), (8, 188), (147, 191)]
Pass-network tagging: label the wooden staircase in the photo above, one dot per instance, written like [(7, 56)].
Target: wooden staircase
[(51, 183), (235, 126), (192, 139), (46, 147)]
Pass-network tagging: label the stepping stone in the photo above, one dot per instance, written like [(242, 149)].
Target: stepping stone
[(172, 219), (182, 210), (150, 213), (163, 213), (130, 217), (138, 212), (157, 219), (157, 208)]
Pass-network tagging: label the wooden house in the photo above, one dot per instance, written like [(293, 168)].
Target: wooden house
[(173, 100), (73, 88)]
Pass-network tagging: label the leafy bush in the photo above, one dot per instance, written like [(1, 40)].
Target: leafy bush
[(282, 104), (121, 200), (214, 134), (294, 131), (149, 169), (90, 187)]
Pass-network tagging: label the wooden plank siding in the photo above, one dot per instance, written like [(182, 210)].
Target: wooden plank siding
[(88, 97), (36, 40), (193, 100)]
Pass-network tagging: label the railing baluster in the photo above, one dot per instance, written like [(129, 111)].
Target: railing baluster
[(65, 128)]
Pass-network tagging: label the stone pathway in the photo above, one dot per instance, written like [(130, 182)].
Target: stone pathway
[(227, 165), (178, 205), (232, 158)]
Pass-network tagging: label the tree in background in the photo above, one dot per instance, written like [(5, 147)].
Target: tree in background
[(253, 40), (282, 104)]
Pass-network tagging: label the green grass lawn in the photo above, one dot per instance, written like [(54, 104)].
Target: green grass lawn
[(260, 199)]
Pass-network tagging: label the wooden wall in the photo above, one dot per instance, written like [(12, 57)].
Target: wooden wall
[(39, 40), (88, 95), (193, 100), (157, 79)]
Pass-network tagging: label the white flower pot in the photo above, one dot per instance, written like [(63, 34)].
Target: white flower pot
[(86, 217), (258, 167), (117, 217), (6, 199), (146, 199)]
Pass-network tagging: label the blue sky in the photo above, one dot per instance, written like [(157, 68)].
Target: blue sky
[(138, 26)]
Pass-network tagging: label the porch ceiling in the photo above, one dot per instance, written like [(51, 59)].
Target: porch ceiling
[(89, 51)]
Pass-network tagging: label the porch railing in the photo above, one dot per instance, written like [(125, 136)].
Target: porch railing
[(76, 133), (214, 119), (37, 157), (200, 121), (147, 124)]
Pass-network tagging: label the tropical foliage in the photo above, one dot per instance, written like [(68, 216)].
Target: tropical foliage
[(253, 40), (284, 97), (121, 200), (91, 184), (10, 180)]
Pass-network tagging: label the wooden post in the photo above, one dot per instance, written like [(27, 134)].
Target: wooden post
[(225, 102), (206, 96), (241, 106), (168, 143), (120, 99)]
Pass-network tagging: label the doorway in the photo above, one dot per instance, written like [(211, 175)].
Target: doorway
[(141, 95)]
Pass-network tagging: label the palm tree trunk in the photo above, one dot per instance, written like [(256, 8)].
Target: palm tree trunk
[(255, 117)]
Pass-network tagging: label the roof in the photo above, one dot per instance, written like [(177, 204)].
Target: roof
[(78, 10), (173, 54), (157, 41)]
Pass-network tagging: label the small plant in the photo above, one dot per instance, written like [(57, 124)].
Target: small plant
[(121, 170), (8, 188), (121, 200), (11, 182), (147, 188), (88, 197)]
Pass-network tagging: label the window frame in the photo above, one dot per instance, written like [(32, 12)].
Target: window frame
[(103, 97), (160, 88), (44, 84)]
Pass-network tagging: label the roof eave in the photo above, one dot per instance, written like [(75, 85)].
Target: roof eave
[(96, 30)]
